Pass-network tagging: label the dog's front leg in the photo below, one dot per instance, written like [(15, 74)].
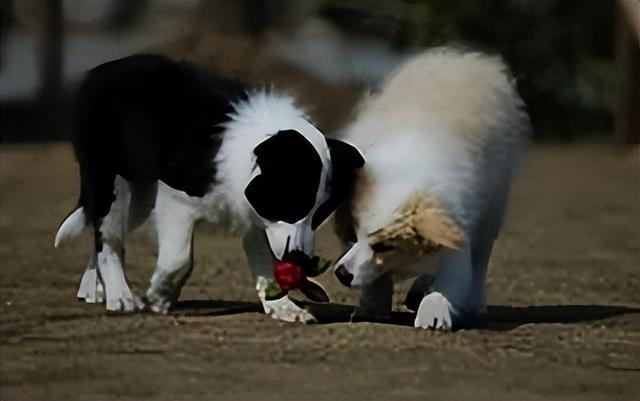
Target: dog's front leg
[(260, 260), (447, 305), (175, 215), (377, 298)]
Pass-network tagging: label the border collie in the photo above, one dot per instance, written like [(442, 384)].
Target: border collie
[(156, 137), (441, 140)]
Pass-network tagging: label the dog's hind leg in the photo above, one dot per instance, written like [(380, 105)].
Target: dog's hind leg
[(110, 255), (258, 254), (176, 214), (91, 289)]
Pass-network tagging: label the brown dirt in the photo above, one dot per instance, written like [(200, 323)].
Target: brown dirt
[(572, 238)]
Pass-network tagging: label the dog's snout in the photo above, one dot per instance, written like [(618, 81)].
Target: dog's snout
[(343, 275)]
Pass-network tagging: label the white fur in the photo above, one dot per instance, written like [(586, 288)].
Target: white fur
[(175, 216), (449, 125), (452, 122)]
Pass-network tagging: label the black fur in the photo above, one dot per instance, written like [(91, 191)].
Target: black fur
[(287, 186), (146, 118)]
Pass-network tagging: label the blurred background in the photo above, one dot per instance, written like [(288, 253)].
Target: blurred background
[(576, 61)]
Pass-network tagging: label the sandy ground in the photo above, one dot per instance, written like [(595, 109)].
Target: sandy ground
[(564, 288)]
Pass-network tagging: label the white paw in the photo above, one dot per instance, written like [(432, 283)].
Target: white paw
[(155, 303), (285, 310), (122, 301), (434, 313)]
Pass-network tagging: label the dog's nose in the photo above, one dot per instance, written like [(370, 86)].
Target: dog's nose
[(343, 275)]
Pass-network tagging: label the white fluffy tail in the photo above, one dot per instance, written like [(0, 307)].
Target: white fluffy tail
[(71, 227)]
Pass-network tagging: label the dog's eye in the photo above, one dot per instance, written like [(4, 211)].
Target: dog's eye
[(381, 247)]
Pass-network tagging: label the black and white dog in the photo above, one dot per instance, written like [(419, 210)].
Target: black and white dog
[(156, 137)]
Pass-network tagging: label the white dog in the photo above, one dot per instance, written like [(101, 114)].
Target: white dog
[(157, 136), (441, 141)]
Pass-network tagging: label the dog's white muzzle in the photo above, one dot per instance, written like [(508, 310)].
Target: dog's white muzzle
[(284, 237)]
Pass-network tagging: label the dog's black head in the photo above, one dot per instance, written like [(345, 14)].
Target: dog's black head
[(301, 181)]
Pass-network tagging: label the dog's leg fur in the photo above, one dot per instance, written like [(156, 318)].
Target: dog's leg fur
[(449, 301), (91, 289), (175, 219), (480, 259), (377, 298), (485, 234), (110, 259), (260, 260)]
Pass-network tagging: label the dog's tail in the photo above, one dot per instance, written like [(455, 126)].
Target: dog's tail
[(71, 227)]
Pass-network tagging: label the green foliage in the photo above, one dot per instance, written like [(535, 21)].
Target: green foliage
[(273, 291)]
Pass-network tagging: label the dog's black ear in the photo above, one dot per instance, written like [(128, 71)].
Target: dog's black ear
[(345, 161), (314, 291), (290, 170)]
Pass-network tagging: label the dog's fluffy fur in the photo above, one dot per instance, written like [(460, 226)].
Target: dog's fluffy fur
[(158, 137), (441, 141)]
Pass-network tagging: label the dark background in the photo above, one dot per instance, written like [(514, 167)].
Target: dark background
[(575, 61)]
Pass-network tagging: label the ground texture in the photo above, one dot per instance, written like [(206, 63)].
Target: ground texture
[(564, 288)]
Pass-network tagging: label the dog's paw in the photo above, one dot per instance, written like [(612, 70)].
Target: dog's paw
[(122, 301), (157, 303), (160, 307), (434, 313), (284, 309)]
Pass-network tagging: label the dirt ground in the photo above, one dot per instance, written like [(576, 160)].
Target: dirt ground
[(564, 288)]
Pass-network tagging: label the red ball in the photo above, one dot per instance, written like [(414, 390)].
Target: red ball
[(288, 275)]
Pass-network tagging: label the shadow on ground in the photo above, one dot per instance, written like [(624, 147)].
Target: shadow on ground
[(497, 318)]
